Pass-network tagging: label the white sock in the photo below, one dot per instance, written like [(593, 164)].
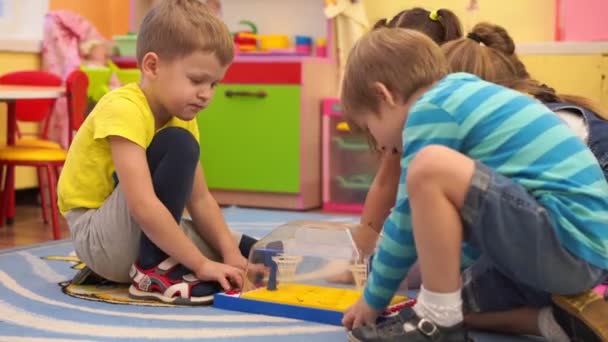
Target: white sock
[(444, 309), (549, 328)]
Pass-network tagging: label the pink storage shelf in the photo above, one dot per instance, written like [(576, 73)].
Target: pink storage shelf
[(348, 165)]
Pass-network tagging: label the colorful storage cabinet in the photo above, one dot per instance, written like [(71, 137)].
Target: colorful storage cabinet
[(260, 137), (349, 165)]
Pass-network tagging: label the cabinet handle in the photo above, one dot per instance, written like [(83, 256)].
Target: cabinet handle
[(232, 93)]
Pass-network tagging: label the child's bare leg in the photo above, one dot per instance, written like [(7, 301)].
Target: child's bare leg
[(522, 321), (446, 191), (437, 182)]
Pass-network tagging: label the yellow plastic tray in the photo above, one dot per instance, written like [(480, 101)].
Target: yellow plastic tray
[(319, 297)]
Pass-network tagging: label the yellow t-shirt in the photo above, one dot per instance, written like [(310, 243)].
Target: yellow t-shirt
[(87, 178)]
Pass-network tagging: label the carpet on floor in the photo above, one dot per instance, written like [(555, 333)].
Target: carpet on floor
[(35, 307)]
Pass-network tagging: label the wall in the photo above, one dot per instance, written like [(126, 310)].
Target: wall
[(580, 22), (138, 9), (111, 17), (12, 61), (526, 20), (270, 16), (533, 21), (22, 20), (281, 19), (585, 74)]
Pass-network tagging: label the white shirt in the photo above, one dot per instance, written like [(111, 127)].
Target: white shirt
[(575, 122)]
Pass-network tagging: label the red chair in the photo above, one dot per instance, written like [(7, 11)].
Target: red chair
[(46, 158), (33, 110), (76, 88)]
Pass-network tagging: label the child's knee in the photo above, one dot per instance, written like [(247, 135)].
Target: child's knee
[(439, 167), (179, 140), (426, 166), (178, 136)]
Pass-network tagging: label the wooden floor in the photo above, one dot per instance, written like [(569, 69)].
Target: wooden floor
[(28, 228)]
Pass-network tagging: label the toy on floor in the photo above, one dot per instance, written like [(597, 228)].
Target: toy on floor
[(289, 274)]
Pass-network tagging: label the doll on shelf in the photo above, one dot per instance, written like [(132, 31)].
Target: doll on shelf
[(95, 53)]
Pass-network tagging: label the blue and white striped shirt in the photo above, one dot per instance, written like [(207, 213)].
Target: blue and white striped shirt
[(517, 137)]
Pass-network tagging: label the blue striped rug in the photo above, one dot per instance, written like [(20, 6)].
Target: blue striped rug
[(34, 308)]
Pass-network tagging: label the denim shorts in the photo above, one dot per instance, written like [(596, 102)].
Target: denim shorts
[(522, 262)]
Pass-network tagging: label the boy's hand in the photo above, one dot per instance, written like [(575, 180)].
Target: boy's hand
[(359, 314), (345, 277), (224, 274), (236, 260)]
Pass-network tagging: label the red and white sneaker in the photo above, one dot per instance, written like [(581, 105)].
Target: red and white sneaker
[(154, 284)]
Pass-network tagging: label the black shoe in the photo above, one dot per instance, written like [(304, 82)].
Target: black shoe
[(86, 276), (583, 317), (422, 330), (246, 244)]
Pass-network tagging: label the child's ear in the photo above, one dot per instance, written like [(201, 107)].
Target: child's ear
[(149, 64), (383, 93)]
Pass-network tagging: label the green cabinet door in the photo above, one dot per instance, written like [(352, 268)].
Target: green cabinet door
[(250, 138)]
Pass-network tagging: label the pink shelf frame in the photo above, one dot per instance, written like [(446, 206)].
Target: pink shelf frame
[(327, 107)]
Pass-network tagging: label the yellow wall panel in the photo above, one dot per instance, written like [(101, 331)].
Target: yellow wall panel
[(604, 86), (569, 74), (526, 20)]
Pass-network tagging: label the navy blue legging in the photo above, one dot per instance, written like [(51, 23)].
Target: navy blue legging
[(173, 157)]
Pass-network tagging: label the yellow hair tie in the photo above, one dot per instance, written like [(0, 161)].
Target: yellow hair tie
[(434, 16)]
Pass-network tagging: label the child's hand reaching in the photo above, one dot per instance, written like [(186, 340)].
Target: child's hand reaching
[(224, 274), (359, 314), (236, 260), (345, 277)]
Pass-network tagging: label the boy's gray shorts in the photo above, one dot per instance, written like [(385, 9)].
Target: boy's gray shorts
[(107, 238)]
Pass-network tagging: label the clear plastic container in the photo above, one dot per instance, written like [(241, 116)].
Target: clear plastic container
[(302, 258), (306, 270)]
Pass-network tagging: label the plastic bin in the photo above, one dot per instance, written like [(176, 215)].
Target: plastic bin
[(126, 44)]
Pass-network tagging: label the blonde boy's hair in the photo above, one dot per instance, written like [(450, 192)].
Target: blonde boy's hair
[(403, 60), (176, 28)]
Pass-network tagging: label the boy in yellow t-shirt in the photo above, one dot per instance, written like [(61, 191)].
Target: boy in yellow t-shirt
[(134, 166)]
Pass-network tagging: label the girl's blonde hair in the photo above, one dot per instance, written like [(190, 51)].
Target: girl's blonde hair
[(488, 51), (546, 94)]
